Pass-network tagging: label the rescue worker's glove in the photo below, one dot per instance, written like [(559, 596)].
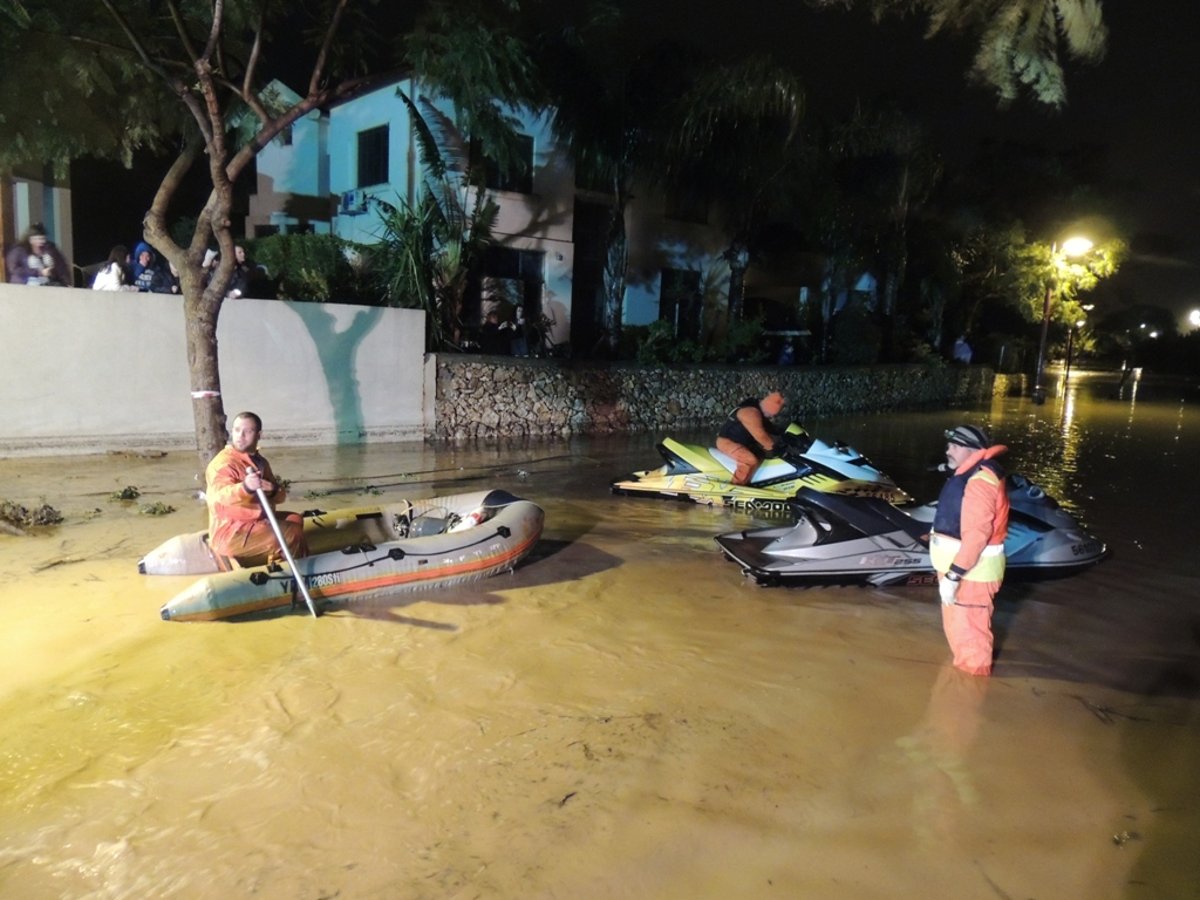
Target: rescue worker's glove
[(948, 590)]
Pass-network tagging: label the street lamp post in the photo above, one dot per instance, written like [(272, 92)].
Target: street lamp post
[(1070, 346), (1075, 246), (1039, 379)]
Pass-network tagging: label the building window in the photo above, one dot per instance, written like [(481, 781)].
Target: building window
[(508, 279), (592, 175), (517, 176), (373, 156)]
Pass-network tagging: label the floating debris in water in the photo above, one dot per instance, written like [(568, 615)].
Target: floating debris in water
[(1121, 838), (139, 454), (15, 518), (156, 509), (129, 492)]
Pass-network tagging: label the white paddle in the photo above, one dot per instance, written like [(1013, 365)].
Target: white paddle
[(269, 511)]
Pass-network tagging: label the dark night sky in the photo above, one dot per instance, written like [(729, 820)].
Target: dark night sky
[(1139, 102)]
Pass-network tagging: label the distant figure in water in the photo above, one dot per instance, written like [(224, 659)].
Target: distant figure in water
[(962, 350)]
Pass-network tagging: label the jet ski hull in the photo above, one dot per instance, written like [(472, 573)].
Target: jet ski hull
[(835, 541), (704, 475)]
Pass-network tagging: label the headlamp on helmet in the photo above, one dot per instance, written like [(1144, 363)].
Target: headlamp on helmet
[(969, 436)]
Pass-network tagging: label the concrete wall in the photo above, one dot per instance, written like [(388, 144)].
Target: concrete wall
[(88, 371)]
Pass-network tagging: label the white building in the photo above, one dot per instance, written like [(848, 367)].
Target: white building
[(323, 175)]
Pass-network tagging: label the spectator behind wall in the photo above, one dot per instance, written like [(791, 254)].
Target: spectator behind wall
[(170, 282), (148, 277), (113, 276), (962, 350), (248, 278), (136, 259), (35, 260), (239, 281)]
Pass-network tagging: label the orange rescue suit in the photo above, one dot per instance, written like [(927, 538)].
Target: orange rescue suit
[(237, 525), (976, 554)]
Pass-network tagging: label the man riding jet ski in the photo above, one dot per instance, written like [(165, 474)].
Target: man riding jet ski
[(796, 460), (845, 540)]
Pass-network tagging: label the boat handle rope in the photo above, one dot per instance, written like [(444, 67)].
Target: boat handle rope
[(395, 553)]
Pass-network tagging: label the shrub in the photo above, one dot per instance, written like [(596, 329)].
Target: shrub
[(856, 339), (318, 267)]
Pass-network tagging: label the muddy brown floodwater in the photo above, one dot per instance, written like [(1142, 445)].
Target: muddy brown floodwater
[(623, 716)]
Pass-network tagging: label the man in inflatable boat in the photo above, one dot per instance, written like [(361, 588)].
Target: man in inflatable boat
[(966, 545), (238, 527)]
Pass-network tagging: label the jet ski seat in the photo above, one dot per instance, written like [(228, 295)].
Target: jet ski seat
[(870, 515)]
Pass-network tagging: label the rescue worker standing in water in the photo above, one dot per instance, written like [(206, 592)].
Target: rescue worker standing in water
[(747, 435), (967, 545)]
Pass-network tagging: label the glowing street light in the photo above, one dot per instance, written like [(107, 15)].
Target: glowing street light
[(1194, 318), (1076, 246)]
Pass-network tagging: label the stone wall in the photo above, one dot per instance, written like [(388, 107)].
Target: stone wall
[(486, 397), (1011, 385)]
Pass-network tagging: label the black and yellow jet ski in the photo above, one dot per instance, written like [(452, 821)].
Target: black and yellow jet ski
[(704, 475)]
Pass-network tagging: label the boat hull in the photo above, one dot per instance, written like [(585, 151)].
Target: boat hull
[(324, 530), (369, 571)]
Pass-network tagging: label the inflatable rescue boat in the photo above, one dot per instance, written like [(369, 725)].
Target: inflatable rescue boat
[(383, 550)]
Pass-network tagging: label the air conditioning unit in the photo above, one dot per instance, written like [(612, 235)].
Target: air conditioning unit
[(353, 203)]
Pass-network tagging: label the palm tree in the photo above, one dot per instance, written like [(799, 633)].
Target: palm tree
[(731, 143), (888, 171), (1019, 40), (606, 96)]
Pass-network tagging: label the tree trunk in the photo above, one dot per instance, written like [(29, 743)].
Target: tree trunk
[(208, 408), (738, 258), (616, 261)]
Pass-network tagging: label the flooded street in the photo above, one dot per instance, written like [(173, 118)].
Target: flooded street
[(625, 715)]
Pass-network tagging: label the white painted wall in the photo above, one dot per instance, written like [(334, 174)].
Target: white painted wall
[(372, 109), (86, 371)]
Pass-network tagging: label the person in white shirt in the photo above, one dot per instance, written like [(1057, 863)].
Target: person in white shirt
[(113, 276)]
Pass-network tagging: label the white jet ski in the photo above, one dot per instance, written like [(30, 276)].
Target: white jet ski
[(861, 540)]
